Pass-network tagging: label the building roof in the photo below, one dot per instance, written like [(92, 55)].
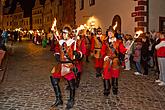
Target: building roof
[(47, 2), (37, 4), (18, 8)]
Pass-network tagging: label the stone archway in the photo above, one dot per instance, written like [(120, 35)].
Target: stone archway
[(117, 19)]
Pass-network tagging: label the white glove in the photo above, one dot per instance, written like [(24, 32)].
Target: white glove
[(106, 58)]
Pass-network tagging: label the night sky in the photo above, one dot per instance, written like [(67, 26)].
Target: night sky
[(26, 5)]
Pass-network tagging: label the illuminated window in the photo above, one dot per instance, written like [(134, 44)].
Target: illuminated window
[(81, 4), (91, 2)]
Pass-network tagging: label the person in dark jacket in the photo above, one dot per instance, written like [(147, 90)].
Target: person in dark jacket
[(145, 53)]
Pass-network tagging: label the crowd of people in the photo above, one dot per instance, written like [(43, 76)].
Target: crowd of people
[(111, 52)]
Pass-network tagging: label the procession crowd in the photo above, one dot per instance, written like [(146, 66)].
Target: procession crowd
[(111, 51)]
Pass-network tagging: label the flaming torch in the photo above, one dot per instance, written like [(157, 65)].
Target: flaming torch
[(81, 27), (54, 29), (135, 37), (114, 27)]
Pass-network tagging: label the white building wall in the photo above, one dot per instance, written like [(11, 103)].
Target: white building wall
[(156, 10), (105, 10)]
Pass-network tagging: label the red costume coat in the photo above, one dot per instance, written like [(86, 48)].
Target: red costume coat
[(82, 48), (88, 44), (96, 45), (111, 60), (63, 68)]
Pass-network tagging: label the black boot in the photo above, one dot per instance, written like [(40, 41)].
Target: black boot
[(57, 91), (78, 79), (98, 72), (107, 87), (115, 85), (72, 94)]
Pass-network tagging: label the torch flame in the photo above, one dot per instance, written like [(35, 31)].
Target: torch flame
[(54, 24), (55, 29), (114, 27), (81, 27), (138, 34)]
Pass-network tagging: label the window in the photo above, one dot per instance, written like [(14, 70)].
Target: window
[(81, 4), (91, 2)]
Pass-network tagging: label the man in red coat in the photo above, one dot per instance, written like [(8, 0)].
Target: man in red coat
[(110, 49), (88, 44), (81, 46), (65, 55), (96, 44)]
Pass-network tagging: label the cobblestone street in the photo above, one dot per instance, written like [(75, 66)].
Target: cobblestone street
[(27, 86)]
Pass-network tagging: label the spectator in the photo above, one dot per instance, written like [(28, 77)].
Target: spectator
[(145, 54), (128, 54), (137, 56), (4, 37), (161, 60), (156, 41)]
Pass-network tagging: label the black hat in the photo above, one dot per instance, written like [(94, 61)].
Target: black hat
[(110, 29), (99, 29)]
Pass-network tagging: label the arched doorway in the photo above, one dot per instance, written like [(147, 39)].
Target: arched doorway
[(117, 19)]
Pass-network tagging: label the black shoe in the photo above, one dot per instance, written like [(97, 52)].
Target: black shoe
[(70, 104), (107, 87), (72, 94), (106, 93), (58, 102), (115, 86), (115, 91)]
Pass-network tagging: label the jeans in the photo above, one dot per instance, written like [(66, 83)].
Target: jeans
[(138, 67), (161, 63)]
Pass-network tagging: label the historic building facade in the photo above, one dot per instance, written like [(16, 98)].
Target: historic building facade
[(1, 13), (42, 15), (130, 15), (47, 15), (37, 16), (15, 20), (17, 17), (26, 23)]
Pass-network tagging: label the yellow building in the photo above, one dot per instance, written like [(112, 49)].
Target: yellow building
[(47, 15), (42, 15), (37, 16), (7, 21), (1, 13), (15, 20), (17, 17), (26, 23)]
